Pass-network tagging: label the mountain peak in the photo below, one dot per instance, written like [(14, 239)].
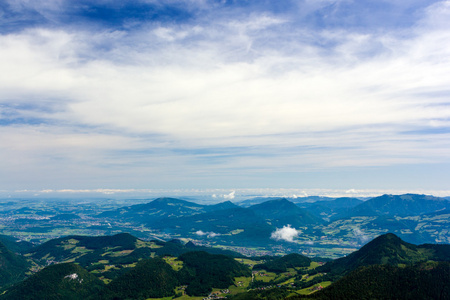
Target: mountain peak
[(400, 205), (387, 249), (282, 212)]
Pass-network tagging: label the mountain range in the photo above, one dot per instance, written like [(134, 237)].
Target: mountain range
[(384, 268), (415, 218)]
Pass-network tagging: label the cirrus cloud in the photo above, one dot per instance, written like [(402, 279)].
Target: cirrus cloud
[(222, 97)]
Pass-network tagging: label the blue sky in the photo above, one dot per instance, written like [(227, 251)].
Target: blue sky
[(137, 95)]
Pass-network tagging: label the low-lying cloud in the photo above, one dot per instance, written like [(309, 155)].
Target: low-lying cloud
[(209, 234), (359, 234), (287, 233)]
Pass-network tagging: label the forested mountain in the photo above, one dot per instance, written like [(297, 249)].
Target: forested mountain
[(400, 205), (422, 281), (228, 224), (117, 260), (15, 245), (117, 249), (281, 212), (331, 209), (256, 200), (125, 267), (281, 264), (220, 206), (59, 282), (156, 210), (387, 249), (12, 266), (82, 249), (202, 271), (150, 278), (177, 248), (237, 225)]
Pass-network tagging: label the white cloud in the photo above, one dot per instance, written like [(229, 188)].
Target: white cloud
[(230, 196), (208, 234), (359, 234), (258, 83), (287, 233), (351, 191)]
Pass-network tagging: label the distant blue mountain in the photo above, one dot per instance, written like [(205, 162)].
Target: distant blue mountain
[(281, 212), (331, 209), (400, 205)]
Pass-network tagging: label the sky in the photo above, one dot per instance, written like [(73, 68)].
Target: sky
[(141, 95)]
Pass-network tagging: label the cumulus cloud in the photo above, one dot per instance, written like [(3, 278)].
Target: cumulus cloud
[(287, 233), (230, 196), (208, 234)]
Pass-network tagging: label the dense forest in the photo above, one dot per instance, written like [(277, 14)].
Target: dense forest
[(422, 281), (281, 264), (124, 267)]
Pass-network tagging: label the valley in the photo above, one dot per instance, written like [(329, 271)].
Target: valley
[(169, 248), (331, 228)]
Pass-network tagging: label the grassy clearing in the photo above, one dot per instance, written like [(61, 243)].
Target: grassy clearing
[(241, 285), (120, 253), (174, 262), (314, 288), (265, 276)]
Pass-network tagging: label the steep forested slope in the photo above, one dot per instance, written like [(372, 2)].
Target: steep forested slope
[(57, 282), (12, 266)]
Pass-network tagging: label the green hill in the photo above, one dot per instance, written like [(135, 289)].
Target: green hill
[(220, 206), (155, 211), (203, 271), (176, 248), (400, 205), (15, 245), (281, 212), (12, 267), (331, 209), (426, 281), (62, 281), (151, 278), (221, 224), (83, 249), (387, 249), (281, 264)]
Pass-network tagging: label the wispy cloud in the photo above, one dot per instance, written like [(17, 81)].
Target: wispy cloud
[(254, 90)]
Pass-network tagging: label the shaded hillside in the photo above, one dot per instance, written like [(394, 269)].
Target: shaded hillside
[(203, 271), (120, 249), (387, 249), (237, 224), (151, 278), (282, 212), (69, 247), (15, 245), (256, 200), (155, 211), (220, 206), (430, 281), (332, 209), (281, 264), (438, 252), (400, 205), (61, 281), (12, 266), (177, 248)]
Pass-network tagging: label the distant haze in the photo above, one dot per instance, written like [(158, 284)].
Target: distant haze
[(207, 195)]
